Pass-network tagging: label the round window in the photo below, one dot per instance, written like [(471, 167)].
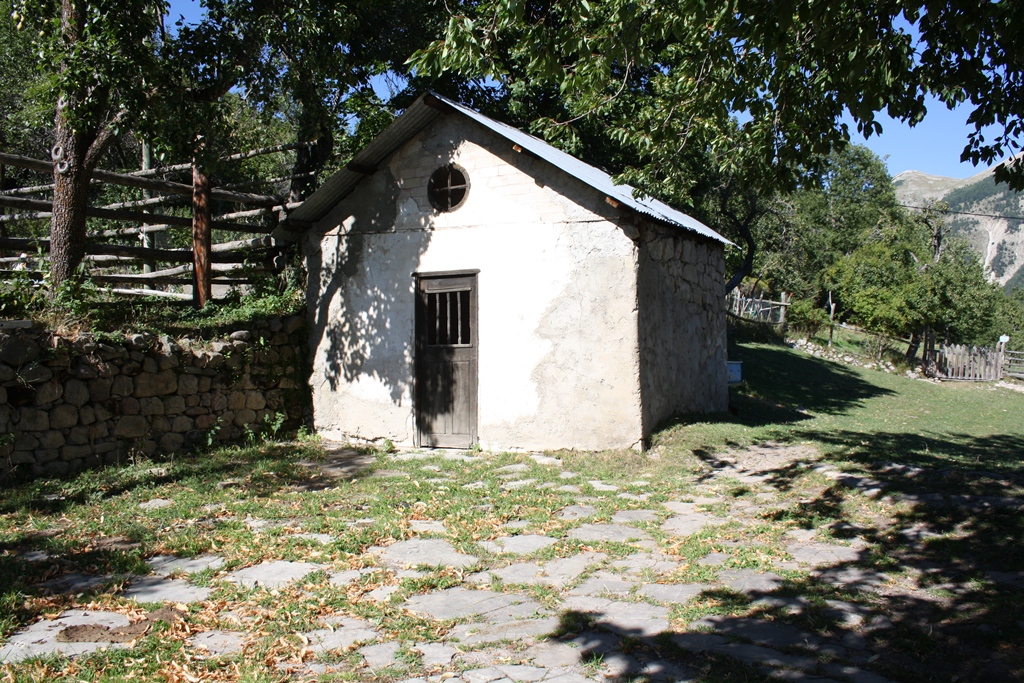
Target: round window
[(448, 187)]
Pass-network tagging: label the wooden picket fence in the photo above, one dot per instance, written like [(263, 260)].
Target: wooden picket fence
[(970, 363)]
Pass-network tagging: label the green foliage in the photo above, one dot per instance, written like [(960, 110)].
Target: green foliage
[(698, 64), (22, 121), (805, 315)]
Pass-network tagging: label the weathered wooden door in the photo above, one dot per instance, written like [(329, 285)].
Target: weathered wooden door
[(446, 360)]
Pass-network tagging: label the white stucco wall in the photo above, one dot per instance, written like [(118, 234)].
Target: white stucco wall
[(558, 327)]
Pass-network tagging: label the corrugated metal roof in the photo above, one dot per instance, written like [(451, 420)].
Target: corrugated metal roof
[(420, 113)]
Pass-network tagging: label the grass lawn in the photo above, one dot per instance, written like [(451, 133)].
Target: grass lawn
[(946, 616), (969, 434)]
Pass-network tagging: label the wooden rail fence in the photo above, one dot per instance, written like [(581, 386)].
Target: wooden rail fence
[(200, 267), (758, 309), (1013, 364)]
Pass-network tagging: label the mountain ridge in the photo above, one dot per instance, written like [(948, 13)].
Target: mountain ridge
[(997, 235)]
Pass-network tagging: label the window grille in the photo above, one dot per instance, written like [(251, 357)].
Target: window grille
[(448, 188)]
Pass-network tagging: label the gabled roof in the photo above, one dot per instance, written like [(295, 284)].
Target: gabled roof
[(431, 105)]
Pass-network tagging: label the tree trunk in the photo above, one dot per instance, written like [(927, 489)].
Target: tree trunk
[(743, 227), (70, 200), (915, 344), (70, 169), (201, 238), (3, 225)]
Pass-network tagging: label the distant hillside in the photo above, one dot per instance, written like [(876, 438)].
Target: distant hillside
[(999, 241)]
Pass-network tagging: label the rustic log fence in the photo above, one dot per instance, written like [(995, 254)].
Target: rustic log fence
[(203, 265), (956, 362), (758, 309)]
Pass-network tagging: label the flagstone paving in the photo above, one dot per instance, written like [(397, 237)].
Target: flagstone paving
[(518, 545), (591, 589), (218, 643), (159, 589), (165, 565), (428, 552), (272, 575)]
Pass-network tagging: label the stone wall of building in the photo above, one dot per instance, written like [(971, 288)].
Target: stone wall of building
[(682, 325), (72, 404)]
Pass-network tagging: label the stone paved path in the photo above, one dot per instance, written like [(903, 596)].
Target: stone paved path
[(589, 592)]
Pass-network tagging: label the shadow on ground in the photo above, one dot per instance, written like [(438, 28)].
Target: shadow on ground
[(941, 559)]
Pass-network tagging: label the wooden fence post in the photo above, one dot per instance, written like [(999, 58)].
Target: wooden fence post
[(201, 237), (147, 241), (3, 226)]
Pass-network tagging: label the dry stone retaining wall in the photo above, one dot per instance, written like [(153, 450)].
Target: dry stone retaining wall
[(71, 404)]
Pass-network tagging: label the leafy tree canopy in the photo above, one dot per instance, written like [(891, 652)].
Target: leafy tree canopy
[(789, 69), (113, 67)]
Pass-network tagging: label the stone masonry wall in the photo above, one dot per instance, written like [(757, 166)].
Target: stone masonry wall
[(682, 325), (68, 405)]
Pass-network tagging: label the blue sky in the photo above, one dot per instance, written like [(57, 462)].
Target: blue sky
[(933, 146)]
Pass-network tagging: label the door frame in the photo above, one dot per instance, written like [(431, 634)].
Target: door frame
[(474, 374)]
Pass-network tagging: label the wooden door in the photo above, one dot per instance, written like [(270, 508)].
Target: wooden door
[(446, 360)]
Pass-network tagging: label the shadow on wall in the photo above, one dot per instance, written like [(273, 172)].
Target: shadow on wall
[(362, 302)]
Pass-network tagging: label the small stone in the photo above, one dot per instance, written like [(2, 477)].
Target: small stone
[(517, 484), (381, 656), (422, 526), (423, 551), (518, 467), (601, 583), (165, 565), (573, 512), (523, 630), (270, 575), (556, 573), (714, 559), (688, 524), (156, 384), (626, 618), (345, 577), (460, 603), (131, 427), (382, 594), (518, 545), (64, 416), (435, 655), (628, 516), (40, 639), (822, 554), (553, 654), (48, 392), (218, 643), (32, 420), (677, 593), (158, 589), (35, 374), (613, 533), (749, 581), (156, 504)]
